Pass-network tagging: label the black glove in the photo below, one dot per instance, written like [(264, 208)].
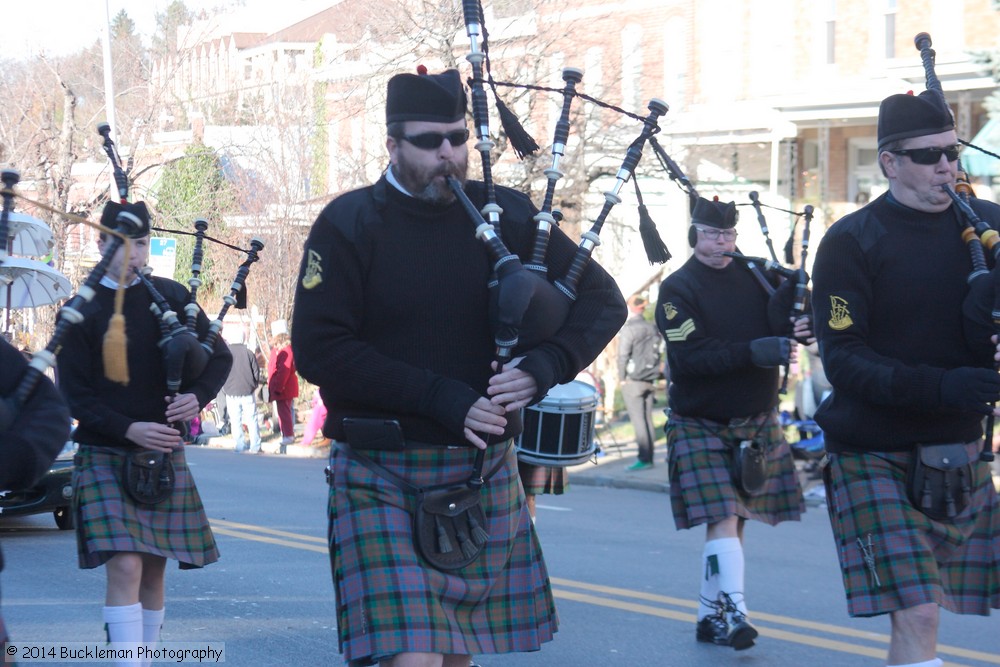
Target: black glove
[(970, 389), (769, 352)]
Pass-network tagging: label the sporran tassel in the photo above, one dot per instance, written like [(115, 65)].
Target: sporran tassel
[(479, 535), (468, 548), (444, 544)]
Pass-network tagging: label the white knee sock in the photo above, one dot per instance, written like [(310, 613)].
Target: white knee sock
[(727, 553), (124, 626), (936, 662), (709, 592), (152, 621)]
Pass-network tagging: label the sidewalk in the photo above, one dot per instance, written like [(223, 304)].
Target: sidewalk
[(606, 469), (609, 469), (270, 444)]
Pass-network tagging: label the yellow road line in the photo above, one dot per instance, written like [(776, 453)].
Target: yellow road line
[(956, 651), (268, 531), (819, 642), (319, 545)]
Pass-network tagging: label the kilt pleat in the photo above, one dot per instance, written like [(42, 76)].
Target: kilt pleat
[(538, 479), (108, 521), (701, 487), (389, 600), (914, 559)]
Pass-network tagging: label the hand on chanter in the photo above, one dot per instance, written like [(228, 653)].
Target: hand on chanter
[(150, 435), (182, 408), (484, 417), (512, 388), (802, 330)]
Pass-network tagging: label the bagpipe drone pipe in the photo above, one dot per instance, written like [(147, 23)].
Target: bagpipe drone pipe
[(981, 239)]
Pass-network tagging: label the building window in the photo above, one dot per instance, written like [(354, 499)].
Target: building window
[(890, 29), (509, 9), (831, 32)]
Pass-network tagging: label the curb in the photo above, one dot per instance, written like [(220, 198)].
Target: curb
[(269, 447)]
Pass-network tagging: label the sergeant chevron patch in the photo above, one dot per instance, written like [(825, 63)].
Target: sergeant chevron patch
[(680, 333)]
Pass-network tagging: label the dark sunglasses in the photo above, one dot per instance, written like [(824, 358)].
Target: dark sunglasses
[(429, 141), (930, 155)]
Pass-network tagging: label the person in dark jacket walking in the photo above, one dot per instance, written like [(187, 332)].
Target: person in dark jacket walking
[(241, 404)]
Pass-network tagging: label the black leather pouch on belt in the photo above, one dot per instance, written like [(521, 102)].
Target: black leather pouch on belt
[(148, 476), (749, 471), (939, 480)]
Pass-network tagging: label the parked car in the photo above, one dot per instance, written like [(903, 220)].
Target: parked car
[(53, 492)]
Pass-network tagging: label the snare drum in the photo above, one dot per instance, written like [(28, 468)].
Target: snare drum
[(559, 429)]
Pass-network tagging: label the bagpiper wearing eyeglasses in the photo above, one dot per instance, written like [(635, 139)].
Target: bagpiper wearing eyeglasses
[(727, 333), (909, 383)]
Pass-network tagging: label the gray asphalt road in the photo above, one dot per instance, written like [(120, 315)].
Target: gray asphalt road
[(624, 579)]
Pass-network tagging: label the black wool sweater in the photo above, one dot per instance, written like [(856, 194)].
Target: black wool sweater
[(106, 409), (889, 288), (708, 317), (392, 310)]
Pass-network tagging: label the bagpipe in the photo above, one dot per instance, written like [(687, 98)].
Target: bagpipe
[(121, 227), (800, 299), (528, 302), (982, 240), (185, 356)]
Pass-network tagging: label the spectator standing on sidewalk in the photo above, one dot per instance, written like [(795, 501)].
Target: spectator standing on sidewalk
[(282, 381), (241, 404), (639, 366)]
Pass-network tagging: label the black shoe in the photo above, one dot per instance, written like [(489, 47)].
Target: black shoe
[(713, 629), (741, 634)]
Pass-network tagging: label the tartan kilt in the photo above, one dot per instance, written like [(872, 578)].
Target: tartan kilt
[(108, 521), (917, 560), (701, 485), (537, 479), (389, 600)]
